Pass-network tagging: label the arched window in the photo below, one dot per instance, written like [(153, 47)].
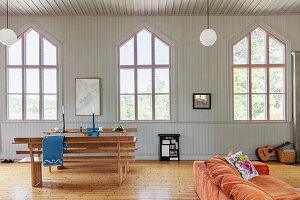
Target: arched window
[(31, 77), (144, 78), (259, 78)]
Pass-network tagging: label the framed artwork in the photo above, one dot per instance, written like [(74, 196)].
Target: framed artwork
[(87, 96), (201, 101)]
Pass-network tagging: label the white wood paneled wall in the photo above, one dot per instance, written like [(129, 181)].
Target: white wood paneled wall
[(89, 50)]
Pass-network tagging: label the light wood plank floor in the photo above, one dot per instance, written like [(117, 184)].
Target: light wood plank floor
[(146, 180)]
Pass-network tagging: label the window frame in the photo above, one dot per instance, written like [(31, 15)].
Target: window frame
[(135, 67), (41, 67), (267, 66)]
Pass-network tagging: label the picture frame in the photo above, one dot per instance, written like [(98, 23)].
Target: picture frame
[(87, 96), (201, 101)]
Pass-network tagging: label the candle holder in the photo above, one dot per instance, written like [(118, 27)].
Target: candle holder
[(64, 124), (93, 122)]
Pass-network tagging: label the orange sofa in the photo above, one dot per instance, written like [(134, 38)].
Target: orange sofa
[(206, 188)]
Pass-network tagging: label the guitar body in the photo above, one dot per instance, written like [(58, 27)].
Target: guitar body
[(265, 153)]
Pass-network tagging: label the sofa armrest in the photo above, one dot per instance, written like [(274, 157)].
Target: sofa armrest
[(262, 168)]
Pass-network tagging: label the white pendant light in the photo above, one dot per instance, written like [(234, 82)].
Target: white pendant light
[(208, 36), (7, 36)]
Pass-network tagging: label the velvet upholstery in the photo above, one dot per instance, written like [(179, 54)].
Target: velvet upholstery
[(218, 166), (204, 186), (278, 189), (261, 168), (229, 179), (241, 189), (207, 190)]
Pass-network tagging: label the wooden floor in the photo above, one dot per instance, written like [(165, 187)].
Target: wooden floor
[(287, 173), (146, 180)]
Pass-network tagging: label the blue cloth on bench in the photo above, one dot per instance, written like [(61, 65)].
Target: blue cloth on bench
[(53, 147)]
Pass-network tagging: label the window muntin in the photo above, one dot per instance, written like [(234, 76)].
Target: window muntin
[(31, 75), (144, 78), (259, 71)]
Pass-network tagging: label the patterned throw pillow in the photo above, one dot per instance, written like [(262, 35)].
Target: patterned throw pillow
[(242, 163)]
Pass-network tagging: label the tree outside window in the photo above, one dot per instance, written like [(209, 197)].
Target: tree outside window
[(144, 78), (259, 83), (31, 75)]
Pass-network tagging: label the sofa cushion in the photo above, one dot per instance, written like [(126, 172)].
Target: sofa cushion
[(230, 153), (241, 189), (204, 185), (278, 189), (242, 163), (217, 166), (229, 179)]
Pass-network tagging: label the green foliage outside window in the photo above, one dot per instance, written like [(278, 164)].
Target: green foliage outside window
[(162, 105), (259, 93)]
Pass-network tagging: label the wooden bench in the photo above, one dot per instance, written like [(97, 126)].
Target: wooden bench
[(120, 146)]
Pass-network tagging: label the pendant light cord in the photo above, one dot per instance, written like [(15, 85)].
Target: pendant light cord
[(208, 63), (207, 13), (7, 14)]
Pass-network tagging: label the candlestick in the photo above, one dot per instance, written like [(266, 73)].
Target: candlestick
[(64, 124), (93, 122)]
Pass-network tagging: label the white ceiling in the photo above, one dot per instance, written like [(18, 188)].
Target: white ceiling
[(149, 7)]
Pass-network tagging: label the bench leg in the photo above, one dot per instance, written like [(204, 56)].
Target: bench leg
[(39, 155), (127, 166), (120, 173), (125, 171), (36, 174), (61, 166), (127, 163)]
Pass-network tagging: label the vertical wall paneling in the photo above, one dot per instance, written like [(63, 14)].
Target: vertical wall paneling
[(89, 50)]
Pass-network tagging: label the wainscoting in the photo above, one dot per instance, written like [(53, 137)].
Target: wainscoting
[(89, 49), (197, 141)]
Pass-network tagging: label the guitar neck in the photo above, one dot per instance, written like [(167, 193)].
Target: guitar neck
[(287, 143)]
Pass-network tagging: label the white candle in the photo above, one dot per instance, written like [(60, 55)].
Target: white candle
[(63, 110), (93, 109)]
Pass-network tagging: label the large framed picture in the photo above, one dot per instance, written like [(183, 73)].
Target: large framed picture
[(201, 101), (87, 96)]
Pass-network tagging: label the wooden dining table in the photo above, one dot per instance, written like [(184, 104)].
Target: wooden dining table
[(84, 132)]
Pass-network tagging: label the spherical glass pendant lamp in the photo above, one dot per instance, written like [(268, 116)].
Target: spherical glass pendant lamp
[(7, 36), (208, 36)]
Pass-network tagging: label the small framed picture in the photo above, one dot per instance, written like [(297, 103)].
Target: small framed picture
[(201, 101)]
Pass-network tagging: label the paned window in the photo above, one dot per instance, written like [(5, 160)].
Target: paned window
[(31, 78), (144, 78), (259, 77)]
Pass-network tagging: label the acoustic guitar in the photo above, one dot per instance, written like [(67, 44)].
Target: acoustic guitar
[(264, 153)]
